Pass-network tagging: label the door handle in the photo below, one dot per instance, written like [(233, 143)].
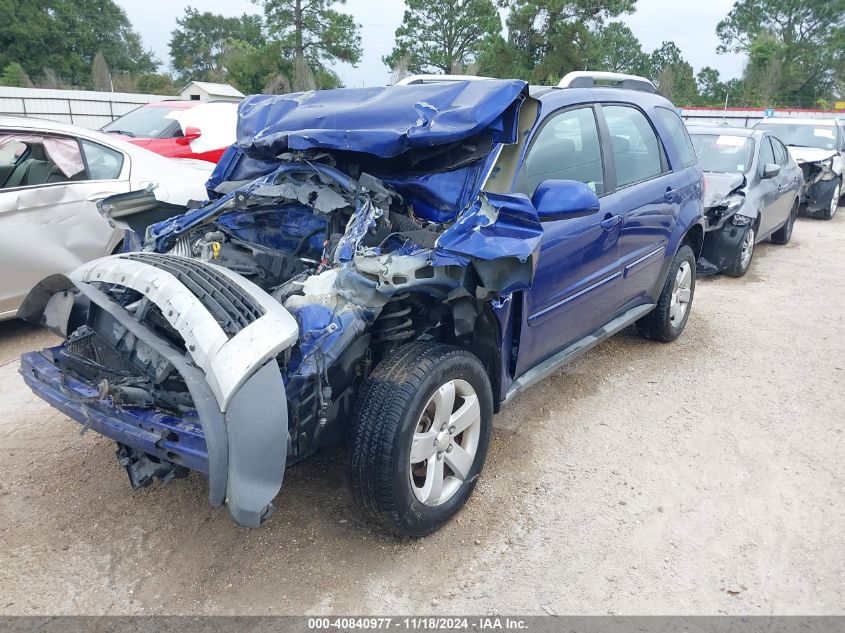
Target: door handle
[(609, 222), (670, 195)]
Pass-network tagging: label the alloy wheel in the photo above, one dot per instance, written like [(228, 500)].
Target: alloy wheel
[(747, 251), (681, 294), (445, 443)]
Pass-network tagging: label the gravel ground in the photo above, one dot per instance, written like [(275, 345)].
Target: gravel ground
[(700, 477)]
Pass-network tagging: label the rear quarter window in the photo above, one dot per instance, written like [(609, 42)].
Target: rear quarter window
[(678, 135)]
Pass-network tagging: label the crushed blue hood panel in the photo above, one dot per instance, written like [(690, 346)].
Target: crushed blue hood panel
[(384, 121)]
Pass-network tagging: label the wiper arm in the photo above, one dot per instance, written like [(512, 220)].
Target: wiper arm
[(124, 132)]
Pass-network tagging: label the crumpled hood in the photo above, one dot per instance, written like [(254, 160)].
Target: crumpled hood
[(719, 186), (810, 154), (383, 121)]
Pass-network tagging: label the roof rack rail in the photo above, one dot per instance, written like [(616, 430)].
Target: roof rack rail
[(433, 79), (588, 78)]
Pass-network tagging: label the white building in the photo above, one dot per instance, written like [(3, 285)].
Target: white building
[(205, 90)]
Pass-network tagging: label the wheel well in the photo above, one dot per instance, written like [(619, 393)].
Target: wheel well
[(695, 239)]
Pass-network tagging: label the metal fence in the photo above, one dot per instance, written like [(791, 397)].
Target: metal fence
[(85, 108), (742, 117)]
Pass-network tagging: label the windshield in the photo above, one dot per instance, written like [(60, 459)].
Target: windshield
[(723, 152), (146, 122), (803, 135)]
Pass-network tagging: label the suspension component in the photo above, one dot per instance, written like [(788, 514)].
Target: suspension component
[(394, 324)]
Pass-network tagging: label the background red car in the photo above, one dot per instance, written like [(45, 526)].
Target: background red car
[(201, 130)]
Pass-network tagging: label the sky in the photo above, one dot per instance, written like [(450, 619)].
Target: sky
[(691, 24)]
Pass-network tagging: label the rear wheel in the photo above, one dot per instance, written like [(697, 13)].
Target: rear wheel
[(784, 233), (667, 320), (421, 430), (744, 254)]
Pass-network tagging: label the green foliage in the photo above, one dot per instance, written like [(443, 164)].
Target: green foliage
[(198, 45), (157, 84), (314, 30), (444, 35), (65, 36), (711, 90), (674, 76), (548, 38), (14, 75), (796, 48), (615, 48)]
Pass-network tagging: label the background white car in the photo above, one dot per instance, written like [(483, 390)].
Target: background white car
[(51, 177), (818, 146)]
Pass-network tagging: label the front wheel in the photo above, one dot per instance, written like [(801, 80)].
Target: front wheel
[(827, 214), (744, 254), (422, 427), (667, 320)]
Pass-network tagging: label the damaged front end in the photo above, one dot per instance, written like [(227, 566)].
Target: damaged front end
[(821, 183), (236, 342), (727, 213)]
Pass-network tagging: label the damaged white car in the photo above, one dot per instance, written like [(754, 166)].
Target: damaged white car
[(52, 176), (817, 145)]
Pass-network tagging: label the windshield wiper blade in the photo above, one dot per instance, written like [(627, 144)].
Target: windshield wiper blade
[(124, 132)]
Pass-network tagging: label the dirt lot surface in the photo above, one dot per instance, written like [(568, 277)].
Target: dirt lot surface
[(705, 476)]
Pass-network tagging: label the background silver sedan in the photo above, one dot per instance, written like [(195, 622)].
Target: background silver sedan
[(753, 189), (51, 177)]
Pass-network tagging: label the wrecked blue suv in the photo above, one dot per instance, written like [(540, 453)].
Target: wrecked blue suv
[(384, 267)]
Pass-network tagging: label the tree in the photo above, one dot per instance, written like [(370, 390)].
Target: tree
[(313, 31), (444, 35), (65, 36), (615, 48), (156, 84), (711, 90), (547, 38), (674, 75), (14, 75), (810, 36), (764, 73), (199, 43), (100, 75)]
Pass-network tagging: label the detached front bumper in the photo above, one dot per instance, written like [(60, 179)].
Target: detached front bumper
[(818, 196), (225, 336), (720, 248)]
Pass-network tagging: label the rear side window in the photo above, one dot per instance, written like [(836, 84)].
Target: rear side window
[(678, 135), (636, 150), (780, 152), (767, 155), (104, 163), (566, 148)]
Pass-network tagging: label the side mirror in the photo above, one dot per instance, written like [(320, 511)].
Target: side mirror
[(564, 199), (191, 133), (770, 170)]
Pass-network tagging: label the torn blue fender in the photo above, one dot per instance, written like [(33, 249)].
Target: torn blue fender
[(384, 121), (500, 234)]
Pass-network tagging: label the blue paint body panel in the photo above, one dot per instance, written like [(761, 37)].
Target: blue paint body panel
[(383, 121), (165, 436)]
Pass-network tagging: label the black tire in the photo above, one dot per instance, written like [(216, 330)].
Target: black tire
[(658, 323), (738, 266), (387, 414), (784, 233)]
